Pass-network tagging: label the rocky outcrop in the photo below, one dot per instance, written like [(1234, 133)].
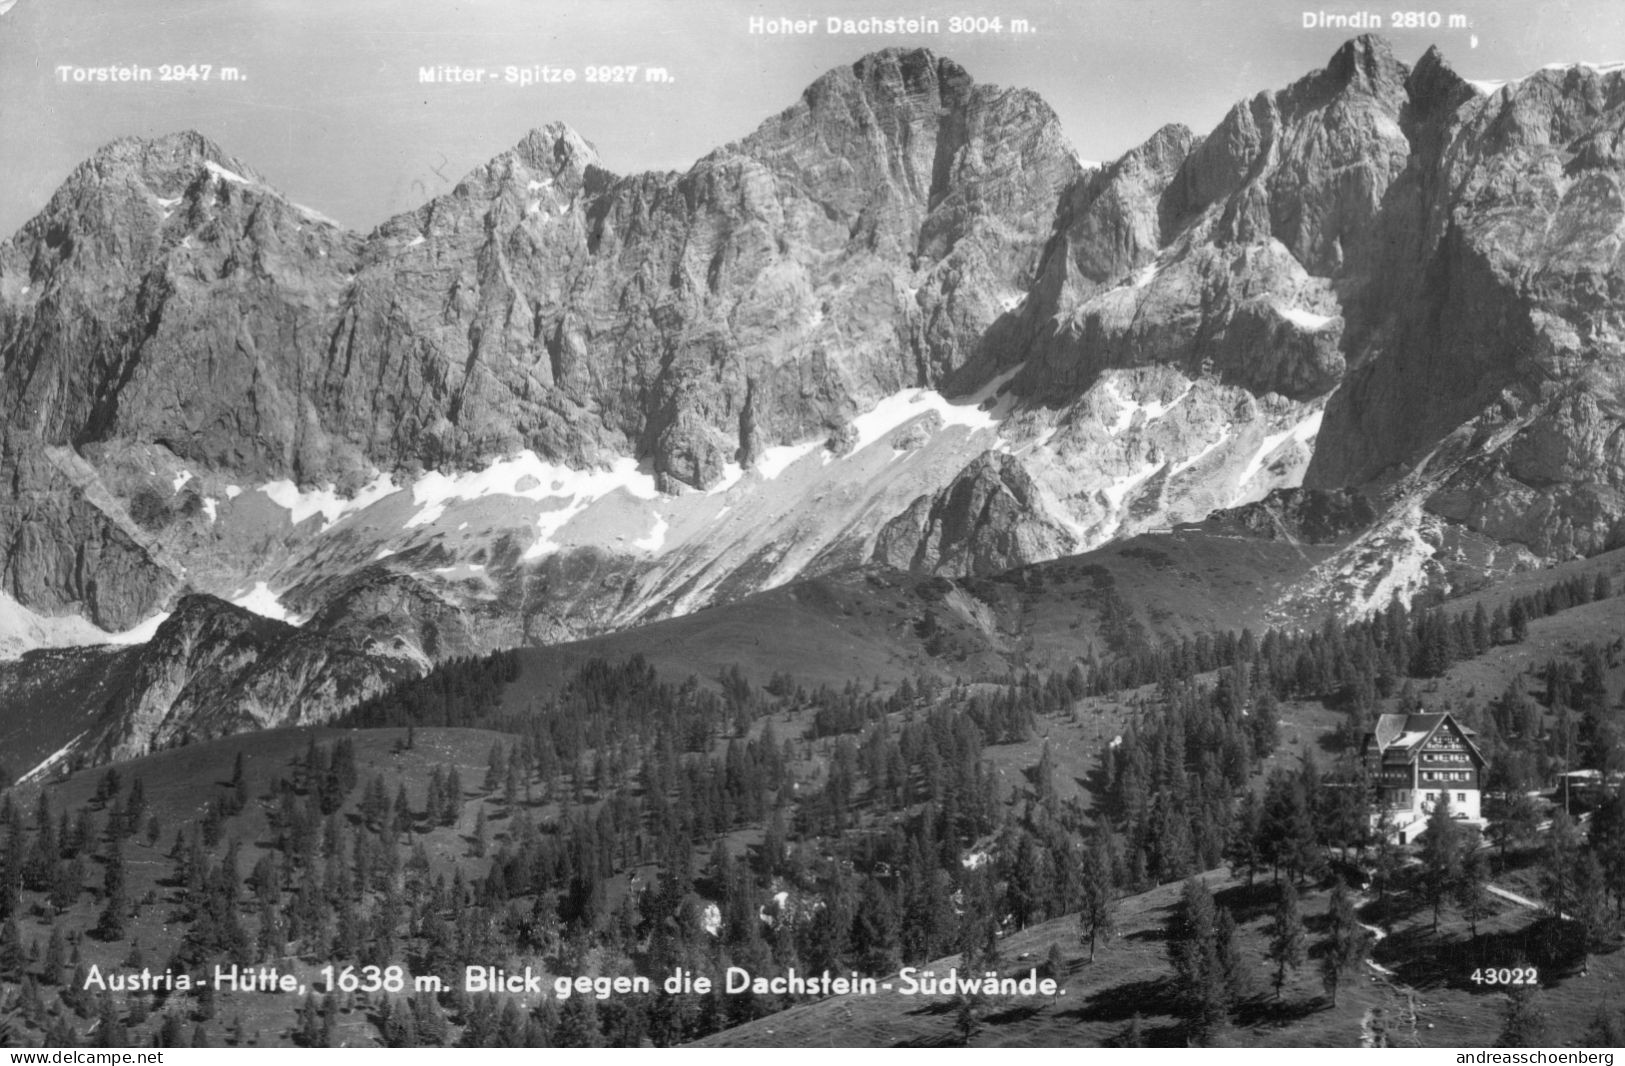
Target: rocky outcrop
[(1308, 515), (393, 615), (214, 669), (991, 518), (70, 546)]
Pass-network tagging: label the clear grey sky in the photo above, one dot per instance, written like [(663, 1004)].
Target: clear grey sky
[(329, 106)]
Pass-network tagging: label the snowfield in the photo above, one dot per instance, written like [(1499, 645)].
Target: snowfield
[(304, 504), (262, 601)]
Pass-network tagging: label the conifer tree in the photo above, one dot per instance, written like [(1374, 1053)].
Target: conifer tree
[(1243, 851), (1512, 818), (1590, 903), (116, 911), (1443, 851), (1098, 895), (1524, 1023), (452, 799), (1133, 1034), (1194, 952), (56, 957), (1558, 855), (11, 950), (1605, 1029), (110, 1029), (1238, 977), (1287, 945), (1347, 942), (1055, 966), (1469, 893), (403, 812)]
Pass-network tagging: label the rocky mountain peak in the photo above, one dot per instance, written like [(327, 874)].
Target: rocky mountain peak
[(882, 76), (1164, 150), (1367, 62), (166, 164), (1434, 87), (107, 215), (556, 147)]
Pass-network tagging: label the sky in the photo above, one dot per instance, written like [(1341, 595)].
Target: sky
[(327, 103)]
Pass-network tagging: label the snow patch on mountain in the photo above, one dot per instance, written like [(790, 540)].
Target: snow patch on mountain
[(1490, 86), (225, 175), (775, 461), (1600, 68), (316, 216), (1183, 465), (1117, 492), (655, 539), (24, 630), (138, 634), (262, 601), (1128, 406), (529, 476), (731, 475), (38, 772), (1303, 432), (901, 408), (459, 571), (1308, 320)]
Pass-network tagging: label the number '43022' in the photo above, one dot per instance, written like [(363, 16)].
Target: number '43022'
[(1516, 975)]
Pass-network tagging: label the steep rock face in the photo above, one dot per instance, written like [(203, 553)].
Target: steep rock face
[(1493, 355), (166, 294), (392, 615), (1227, 257), (989, 519), (1227, 254), (1307, 166), (859, 243), (72, 546)]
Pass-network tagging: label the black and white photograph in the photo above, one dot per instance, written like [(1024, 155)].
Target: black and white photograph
[(812, 523)]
